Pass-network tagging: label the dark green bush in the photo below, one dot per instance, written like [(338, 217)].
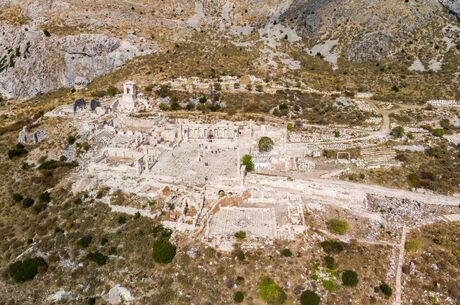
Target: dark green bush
[(85, 241), (26, 270), (238, 297), (97, 257), (121, 220), (397, 132), (330, 262), (71, 139), (45, 197), (286, 252), (163, 251), (17, 197), (309, 297), (332, 246), (18, 151), (386, 289), (27, 202), (350, 278)]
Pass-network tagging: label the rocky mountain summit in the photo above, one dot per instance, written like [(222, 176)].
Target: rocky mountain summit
[(49, 44)]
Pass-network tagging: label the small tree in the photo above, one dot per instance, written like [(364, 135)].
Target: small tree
[(236, 86), (259, 88), (239, 254), (271, 292), (163, 251), (238, 297), (247, 161), (309, 297), (350, 278), (47, 33), (265, 144), (397, 132)]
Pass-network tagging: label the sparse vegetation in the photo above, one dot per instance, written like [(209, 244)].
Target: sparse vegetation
[(265, 144)]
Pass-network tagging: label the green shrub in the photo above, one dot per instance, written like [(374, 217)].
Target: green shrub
[(397, 132), (456, 252), (438, 132), (163, 251), (386, 289), (332, 246), (45, 197), (412, 245), (330, 262), (239, 254), (239, 280), (265, 144), (18, 151), (337, 226), (247, 161), (271, 292), (217, 86), (85, 241), (121, 220), (328, 285), (97, 257), (309, 297), (290, 127), (238, 296), (27, 202), (26, 270), (17, 197), (350, 278), (71, 139), (47, 33), (240, 235), (286, 252)]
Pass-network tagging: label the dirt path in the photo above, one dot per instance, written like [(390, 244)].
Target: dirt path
[(398, 285)]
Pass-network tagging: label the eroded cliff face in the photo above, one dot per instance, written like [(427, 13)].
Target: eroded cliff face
[(90, 38), (32, 63)]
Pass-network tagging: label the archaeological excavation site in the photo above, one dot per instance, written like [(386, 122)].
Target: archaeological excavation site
[(298, 152)]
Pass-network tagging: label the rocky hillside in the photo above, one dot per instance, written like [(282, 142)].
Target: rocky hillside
[(49, 44)]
